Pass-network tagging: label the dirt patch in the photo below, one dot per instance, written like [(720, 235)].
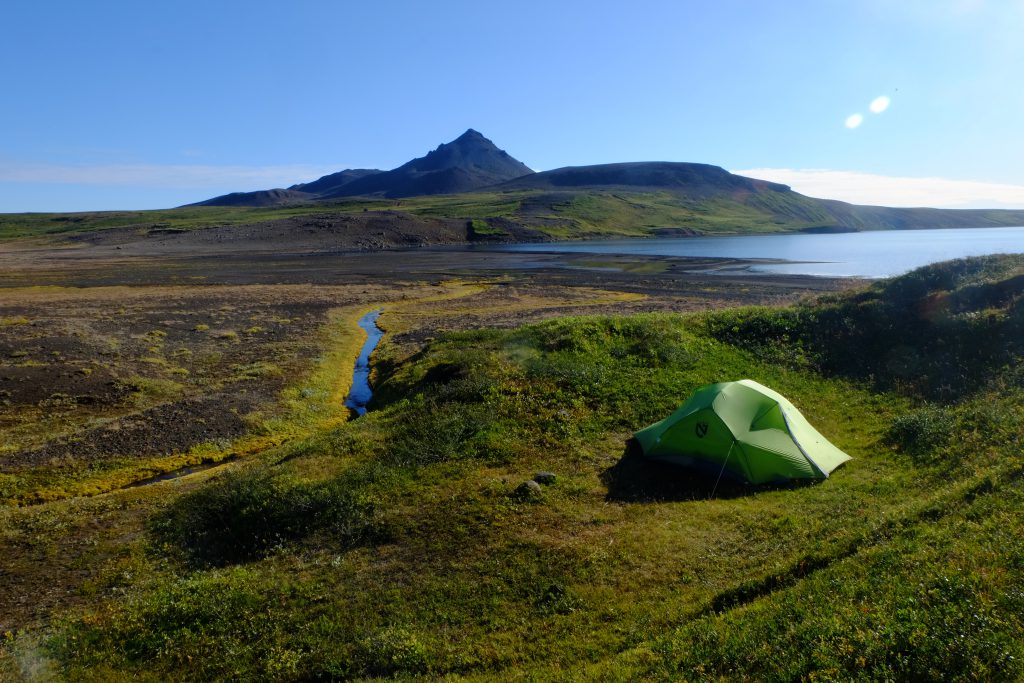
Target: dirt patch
[(162, 430), (316, 232), (130, 373)]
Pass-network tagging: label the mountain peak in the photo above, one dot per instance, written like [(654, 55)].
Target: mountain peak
[(471, 150), (471, 135), (472, 143)]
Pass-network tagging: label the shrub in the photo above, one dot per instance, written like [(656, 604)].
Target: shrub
[(390, 651), (241, 516), (438, 432), (920, 431), (939, 332)]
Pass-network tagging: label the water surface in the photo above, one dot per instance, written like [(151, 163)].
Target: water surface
[(853, 254), (361, 391)]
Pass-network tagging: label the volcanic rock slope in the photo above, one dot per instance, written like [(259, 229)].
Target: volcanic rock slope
[(468, 163)]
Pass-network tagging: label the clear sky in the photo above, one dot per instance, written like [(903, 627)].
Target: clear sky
[(112, 104)]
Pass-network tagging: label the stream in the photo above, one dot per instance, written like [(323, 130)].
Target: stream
[(180, 472), (361, 391)]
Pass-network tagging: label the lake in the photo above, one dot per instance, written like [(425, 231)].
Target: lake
[(853, 254)]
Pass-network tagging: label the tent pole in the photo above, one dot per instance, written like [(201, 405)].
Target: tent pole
[(724, 463)]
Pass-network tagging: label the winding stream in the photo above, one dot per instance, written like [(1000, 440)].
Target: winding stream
[(180, 472), (361, 391)]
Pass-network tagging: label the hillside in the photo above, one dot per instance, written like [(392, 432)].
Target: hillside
[(694, 180), (626, 199), (259, 198), (483, 194), (855, 217), (711, 184), (492, 216), (401, 544), (333, 182)]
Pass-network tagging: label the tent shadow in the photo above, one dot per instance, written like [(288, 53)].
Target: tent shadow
[(636, 479)]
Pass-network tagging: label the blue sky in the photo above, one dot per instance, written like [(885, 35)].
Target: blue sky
[(123, 105)]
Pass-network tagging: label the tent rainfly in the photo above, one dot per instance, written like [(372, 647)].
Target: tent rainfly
[(743, 429)]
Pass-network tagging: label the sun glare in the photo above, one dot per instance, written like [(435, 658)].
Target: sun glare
[(854, 120), (879, 104)]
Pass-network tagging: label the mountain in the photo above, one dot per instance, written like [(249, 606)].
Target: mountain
[(276, 197), (718, 194), (468, 163), (334, 182), (652, 197), (692, 179)]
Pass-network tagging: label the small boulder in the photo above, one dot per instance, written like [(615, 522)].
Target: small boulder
[(545, 478), (528, 490)]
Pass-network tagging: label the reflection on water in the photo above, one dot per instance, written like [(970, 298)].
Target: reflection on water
[(852, 254)]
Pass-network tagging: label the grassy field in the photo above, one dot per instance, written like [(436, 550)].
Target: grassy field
[(558, 215), (402, 544), (531, 215)]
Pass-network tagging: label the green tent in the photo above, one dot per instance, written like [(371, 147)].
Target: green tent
[(744, 429)]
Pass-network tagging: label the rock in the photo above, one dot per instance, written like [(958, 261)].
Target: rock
[(528, 490), (545, 478)]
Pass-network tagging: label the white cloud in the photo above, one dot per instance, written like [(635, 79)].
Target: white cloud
[(161, 176), (867, 188), (854, 120), (879, 104)]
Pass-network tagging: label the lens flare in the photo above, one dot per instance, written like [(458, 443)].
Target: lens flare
[(879, 104), (854, 120)]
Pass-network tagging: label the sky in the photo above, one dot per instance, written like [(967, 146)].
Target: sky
[(130, 105)]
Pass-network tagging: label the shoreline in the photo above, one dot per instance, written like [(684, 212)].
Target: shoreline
[(142, 263)]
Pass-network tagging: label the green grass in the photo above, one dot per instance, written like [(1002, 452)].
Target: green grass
[(941, 332), (560, 215), (480, 228), (396, 545), (244, 515), (571, 213), (184, 218)]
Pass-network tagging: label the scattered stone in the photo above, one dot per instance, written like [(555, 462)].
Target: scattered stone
[(528, 490), (545, 478)]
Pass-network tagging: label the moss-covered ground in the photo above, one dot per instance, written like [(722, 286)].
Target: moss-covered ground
[(401, 544)]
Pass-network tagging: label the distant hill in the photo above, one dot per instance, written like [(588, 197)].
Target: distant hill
[(296, 194), (335, 181), (468, 163), (856, 217), (693, 179), (261, 198), (724, 192)]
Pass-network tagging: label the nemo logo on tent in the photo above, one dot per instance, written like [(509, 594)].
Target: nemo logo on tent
[(701, 429)]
